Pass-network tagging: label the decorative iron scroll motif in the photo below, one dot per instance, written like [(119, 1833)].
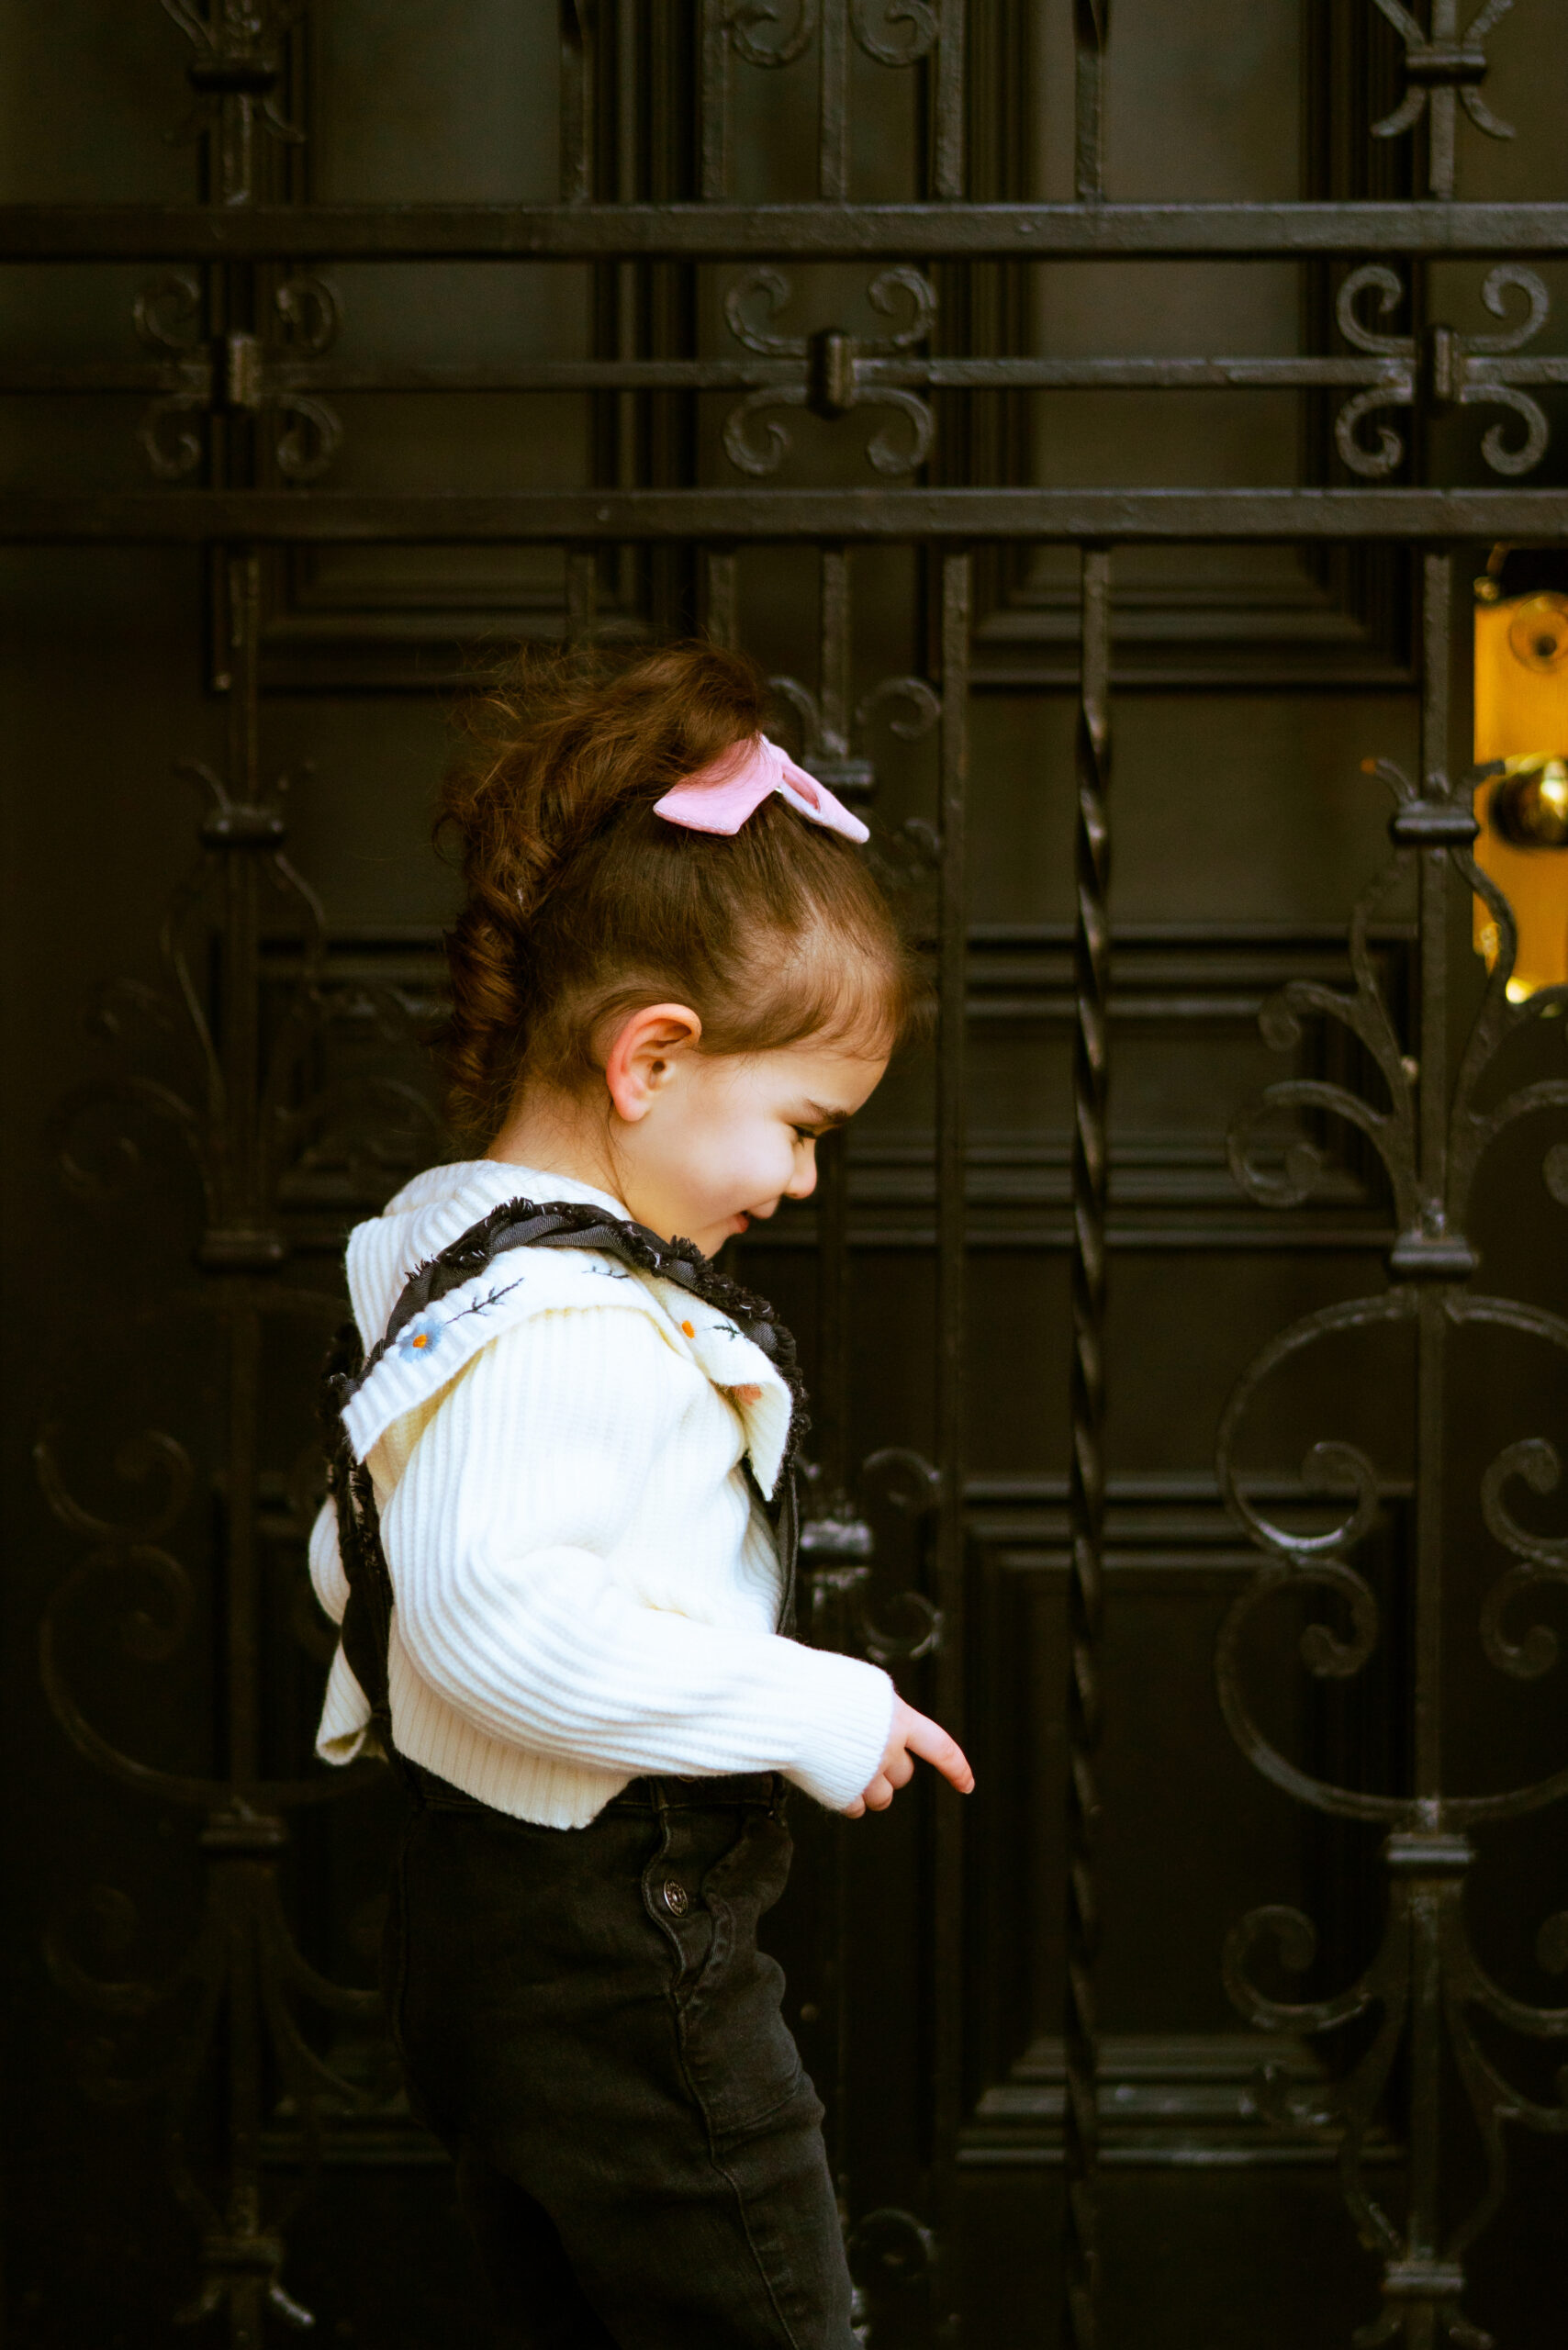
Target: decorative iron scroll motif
[(848, 1606), (234, 73), (835, 734), (1431, 1140), (837, 1560), (902, 859), (237, 374), (244, 1110), (288, 365), (1439, 67), (892, 32), (891, 2254), (1449, 371), (896, 33), (829, 373)]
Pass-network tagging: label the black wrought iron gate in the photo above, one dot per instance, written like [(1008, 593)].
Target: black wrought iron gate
[(888, 338)]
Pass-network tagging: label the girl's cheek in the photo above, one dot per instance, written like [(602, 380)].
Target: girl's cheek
[(768, 1173)]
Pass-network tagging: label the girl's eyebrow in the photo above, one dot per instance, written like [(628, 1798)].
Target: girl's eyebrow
[(825, 1117)]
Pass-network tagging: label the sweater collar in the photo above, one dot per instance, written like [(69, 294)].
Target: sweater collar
[(438, 1206), (428, 1213)]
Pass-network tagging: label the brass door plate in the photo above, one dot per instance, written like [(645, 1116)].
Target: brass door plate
[(1521, 719)]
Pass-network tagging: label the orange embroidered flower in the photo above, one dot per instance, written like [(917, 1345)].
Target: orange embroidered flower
[(688, 1330), (746, 1395)]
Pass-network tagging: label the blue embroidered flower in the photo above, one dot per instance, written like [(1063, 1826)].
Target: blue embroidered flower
[(418, 1337)]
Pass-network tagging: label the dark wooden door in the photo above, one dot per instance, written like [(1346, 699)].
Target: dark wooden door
[(1106, 435)]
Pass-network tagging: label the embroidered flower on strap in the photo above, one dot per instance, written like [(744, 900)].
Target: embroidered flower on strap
[(419, 1336)]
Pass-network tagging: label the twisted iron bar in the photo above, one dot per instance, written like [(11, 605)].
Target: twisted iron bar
[(1086, 1501)]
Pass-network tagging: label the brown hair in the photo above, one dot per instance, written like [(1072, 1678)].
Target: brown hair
[(582, 903)]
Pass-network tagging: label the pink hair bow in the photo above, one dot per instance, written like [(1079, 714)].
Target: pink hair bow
[(720, 796)]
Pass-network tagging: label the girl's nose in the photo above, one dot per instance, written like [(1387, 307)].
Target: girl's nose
[(803, 1181)]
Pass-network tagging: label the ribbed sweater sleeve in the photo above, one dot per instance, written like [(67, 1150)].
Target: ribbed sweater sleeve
[(327, 1577), (513, 1542)]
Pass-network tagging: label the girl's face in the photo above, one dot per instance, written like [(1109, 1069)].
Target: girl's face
[(703, 1143)]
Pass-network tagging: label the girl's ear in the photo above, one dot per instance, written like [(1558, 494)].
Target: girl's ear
[(647, 1050)]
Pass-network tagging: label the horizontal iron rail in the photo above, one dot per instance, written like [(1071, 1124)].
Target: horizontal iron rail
[(746, 375), (724, 231), (447, 517)]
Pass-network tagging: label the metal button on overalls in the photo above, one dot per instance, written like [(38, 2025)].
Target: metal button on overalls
[(675, 1900)]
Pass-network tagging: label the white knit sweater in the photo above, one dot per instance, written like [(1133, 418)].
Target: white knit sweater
[(585, 1587)]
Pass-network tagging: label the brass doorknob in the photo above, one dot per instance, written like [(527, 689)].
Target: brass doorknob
[(1529, 806)]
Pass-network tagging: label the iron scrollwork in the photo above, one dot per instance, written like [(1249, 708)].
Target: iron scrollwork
[(1459, 371), (912, 30), (830, 373), (837, 1551), (238, 374), (766, 35), (1439, 67), (241, 1103), (829, 753), (234, 75), (748, 22), (834, 742), (1426, 1986)]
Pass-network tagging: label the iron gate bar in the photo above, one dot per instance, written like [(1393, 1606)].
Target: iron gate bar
[(721, 597), (951, 1166), (1092, 24), (1098, 231), (1086, 1504), (1056, 1233), (192, 516), (741, 374), (720, 375)]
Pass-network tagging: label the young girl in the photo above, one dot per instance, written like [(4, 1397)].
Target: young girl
[(672, 974)]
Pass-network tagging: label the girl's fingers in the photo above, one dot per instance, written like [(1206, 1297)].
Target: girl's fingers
[(932, 1743), (913, 1734)]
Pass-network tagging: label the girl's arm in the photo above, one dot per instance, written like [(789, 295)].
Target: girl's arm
[(327, 1579), (530, 1476)]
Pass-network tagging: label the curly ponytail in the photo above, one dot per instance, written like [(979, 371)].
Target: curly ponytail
[(580, 902)]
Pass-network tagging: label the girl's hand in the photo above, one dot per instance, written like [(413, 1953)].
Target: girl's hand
[(912, 1734)]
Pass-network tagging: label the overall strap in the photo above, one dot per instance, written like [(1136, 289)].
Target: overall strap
[(521, 1224)]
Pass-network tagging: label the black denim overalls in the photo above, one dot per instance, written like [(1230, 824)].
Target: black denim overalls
[(584, 2016)]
